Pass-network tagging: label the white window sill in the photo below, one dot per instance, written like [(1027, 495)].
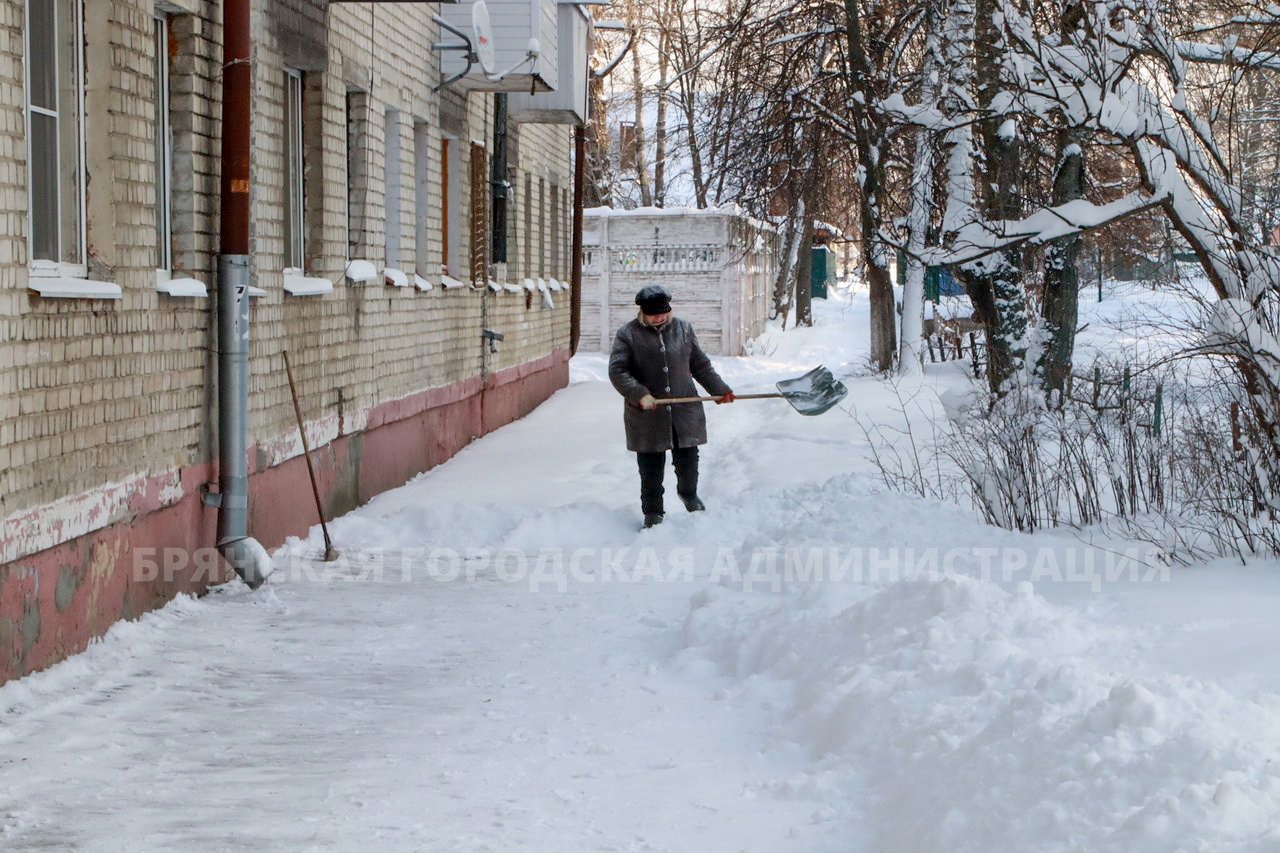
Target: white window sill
[(556, 285), (361, 272), (422, 284), (60, 287), (190, 287), (395, 277), (299, 284), (512, 288), (451, 283), (530, 284), (180, 286)]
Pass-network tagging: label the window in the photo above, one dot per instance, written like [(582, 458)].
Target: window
[(542, 228), (555, 231), (451, 219), (294, 198), (392, 132), (528, 226), (567, 233), (421, 194), (55, 134), (357, 177), (164, 147), (479, 215)]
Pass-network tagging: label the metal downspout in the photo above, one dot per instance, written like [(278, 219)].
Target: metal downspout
[(246, 555), (575, 271)]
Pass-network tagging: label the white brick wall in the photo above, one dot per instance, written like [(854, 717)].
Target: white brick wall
[(93, 392)]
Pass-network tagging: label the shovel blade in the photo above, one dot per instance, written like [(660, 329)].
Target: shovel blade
[(814, 393)]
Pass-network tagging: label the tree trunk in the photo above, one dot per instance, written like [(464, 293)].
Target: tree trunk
[(804, 276), (883, 327), (695, 149), (910, 358), (994, 284), (637, 93), (660, 125), (790, 259), (872, 146), (1060, 311)]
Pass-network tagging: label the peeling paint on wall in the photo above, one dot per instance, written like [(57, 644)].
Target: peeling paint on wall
[(69, 578), (30, 625), (31, 531)]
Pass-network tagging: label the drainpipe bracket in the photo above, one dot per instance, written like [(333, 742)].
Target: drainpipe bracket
[(210, 498)]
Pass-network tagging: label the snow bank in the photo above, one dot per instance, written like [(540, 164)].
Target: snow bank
[(957, 713)]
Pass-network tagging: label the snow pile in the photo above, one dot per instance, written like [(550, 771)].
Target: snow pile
[(954, 714)]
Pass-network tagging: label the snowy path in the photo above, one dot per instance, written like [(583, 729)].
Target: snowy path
[(627, 705)]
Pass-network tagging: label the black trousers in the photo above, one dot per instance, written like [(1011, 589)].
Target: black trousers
[(653, 467)]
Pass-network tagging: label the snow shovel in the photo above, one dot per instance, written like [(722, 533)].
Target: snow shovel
[(811, 394)]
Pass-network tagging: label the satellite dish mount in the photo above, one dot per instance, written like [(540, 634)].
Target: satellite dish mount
[(477, 48)]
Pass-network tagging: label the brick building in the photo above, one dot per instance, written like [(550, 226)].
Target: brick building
[(373, 265)]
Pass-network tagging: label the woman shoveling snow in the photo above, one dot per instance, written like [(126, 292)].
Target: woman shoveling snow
[(658, 354)]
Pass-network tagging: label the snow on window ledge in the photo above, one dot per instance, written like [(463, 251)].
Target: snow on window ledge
[(530, 284), (494, 286), (361, 272), (299, 284), (395, 277), (166, 284), (546, 301), (422, 284), (62, 287), (513, 288), (451, 283), (54, 269)]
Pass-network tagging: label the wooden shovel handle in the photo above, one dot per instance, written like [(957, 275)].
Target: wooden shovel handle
[(671, 400)]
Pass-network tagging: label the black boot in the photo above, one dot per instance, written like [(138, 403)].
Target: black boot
[(693, 503), (651, 469), (686, 462)]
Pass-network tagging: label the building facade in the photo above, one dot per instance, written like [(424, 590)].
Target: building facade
[(375, 203)]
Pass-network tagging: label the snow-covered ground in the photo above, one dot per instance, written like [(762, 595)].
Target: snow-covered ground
[(503, 661)]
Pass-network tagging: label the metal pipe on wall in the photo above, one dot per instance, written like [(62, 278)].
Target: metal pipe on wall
[(575, 281), (245, 554)]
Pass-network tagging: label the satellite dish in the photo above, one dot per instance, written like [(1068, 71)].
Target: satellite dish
[(483, 31)]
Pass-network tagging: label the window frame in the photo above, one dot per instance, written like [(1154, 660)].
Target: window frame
[(393, 192), (422, 145), (45, 266), (452, 262), (350, 128), (164, 143), (295, 198)]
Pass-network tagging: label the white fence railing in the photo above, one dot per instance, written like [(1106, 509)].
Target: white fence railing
[(669, 258)]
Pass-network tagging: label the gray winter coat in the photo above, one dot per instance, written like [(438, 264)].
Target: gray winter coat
[(662, 361)]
